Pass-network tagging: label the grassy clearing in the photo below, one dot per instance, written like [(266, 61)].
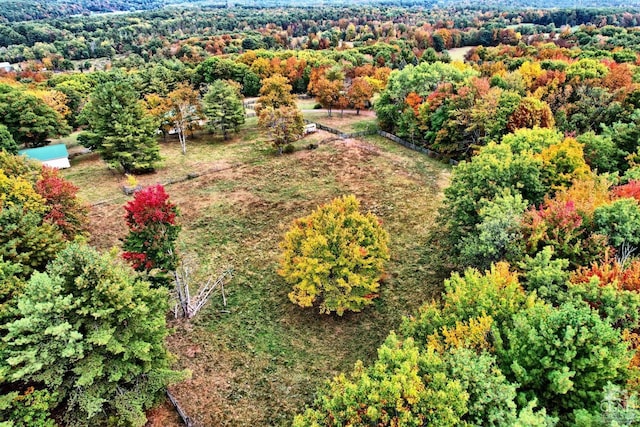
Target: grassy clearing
[(458, 53), (71, 141), (347, 122), (306, 104), (260, 359)]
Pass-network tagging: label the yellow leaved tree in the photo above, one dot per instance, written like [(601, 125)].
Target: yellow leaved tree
[(334, 257)]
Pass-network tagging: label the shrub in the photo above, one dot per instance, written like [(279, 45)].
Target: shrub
[(150, 244), (334, 257), (392, 392)]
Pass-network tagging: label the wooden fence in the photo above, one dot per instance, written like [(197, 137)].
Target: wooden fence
[(342, 134), (415, 147), (386, 135), (183, 416)]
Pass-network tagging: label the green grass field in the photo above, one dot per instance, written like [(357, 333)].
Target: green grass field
[(347, 122), (260, 359)]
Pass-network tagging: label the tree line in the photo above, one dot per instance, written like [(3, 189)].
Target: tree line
[(178, 33)]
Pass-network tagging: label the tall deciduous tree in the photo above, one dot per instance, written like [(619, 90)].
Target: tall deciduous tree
[(158, 107), (184, 111), (223, 108), (359, 93), (64, 210), (531, 112), (276, 92), (91, 331), (119, 128), (283, 125), (328, 92), (334, 257)]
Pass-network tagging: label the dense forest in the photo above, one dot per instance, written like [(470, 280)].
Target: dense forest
[(300, 156)]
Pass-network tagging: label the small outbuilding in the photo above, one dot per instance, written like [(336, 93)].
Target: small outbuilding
[(6, 67), (55, 156), (310, 128)]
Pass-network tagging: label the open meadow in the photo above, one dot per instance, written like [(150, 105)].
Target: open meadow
[(260, 359)]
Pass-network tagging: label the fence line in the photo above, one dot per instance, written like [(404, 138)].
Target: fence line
[(185, 419), (384, 134), (342, 134), (415, 147)]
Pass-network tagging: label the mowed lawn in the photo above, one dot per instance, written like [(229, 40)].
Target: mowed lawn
[(260, 359)]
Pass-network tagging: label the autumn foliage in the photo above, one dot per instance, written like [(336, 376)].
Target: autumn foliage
[(611, 272), (631, 190), (557, 223), (150, 244), (334, 257), (530, 113), (64, 210)]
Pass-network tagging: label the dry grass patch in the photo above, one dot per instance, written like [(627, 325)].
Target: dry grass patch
[(261, 359)]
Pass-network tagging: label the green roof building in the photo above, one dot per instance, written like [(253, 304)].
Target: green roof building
[(55, 156)]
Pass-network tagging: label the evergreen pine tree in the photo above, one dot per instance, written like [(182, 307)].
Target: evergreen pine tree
[(223, 107), (119, 129), (92, 332)]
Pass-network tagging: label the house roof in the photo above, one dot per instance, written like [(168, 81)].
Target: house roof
[(50, 152)]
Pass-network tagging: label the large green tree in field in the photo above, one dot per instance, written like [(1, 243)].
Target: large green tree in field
[(223, 108), (29, 120), (92, 332), (119, 128)]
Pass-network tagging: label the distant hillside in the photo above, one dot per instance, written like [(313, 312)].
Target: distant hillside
[(29, 10), (473, 4)]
